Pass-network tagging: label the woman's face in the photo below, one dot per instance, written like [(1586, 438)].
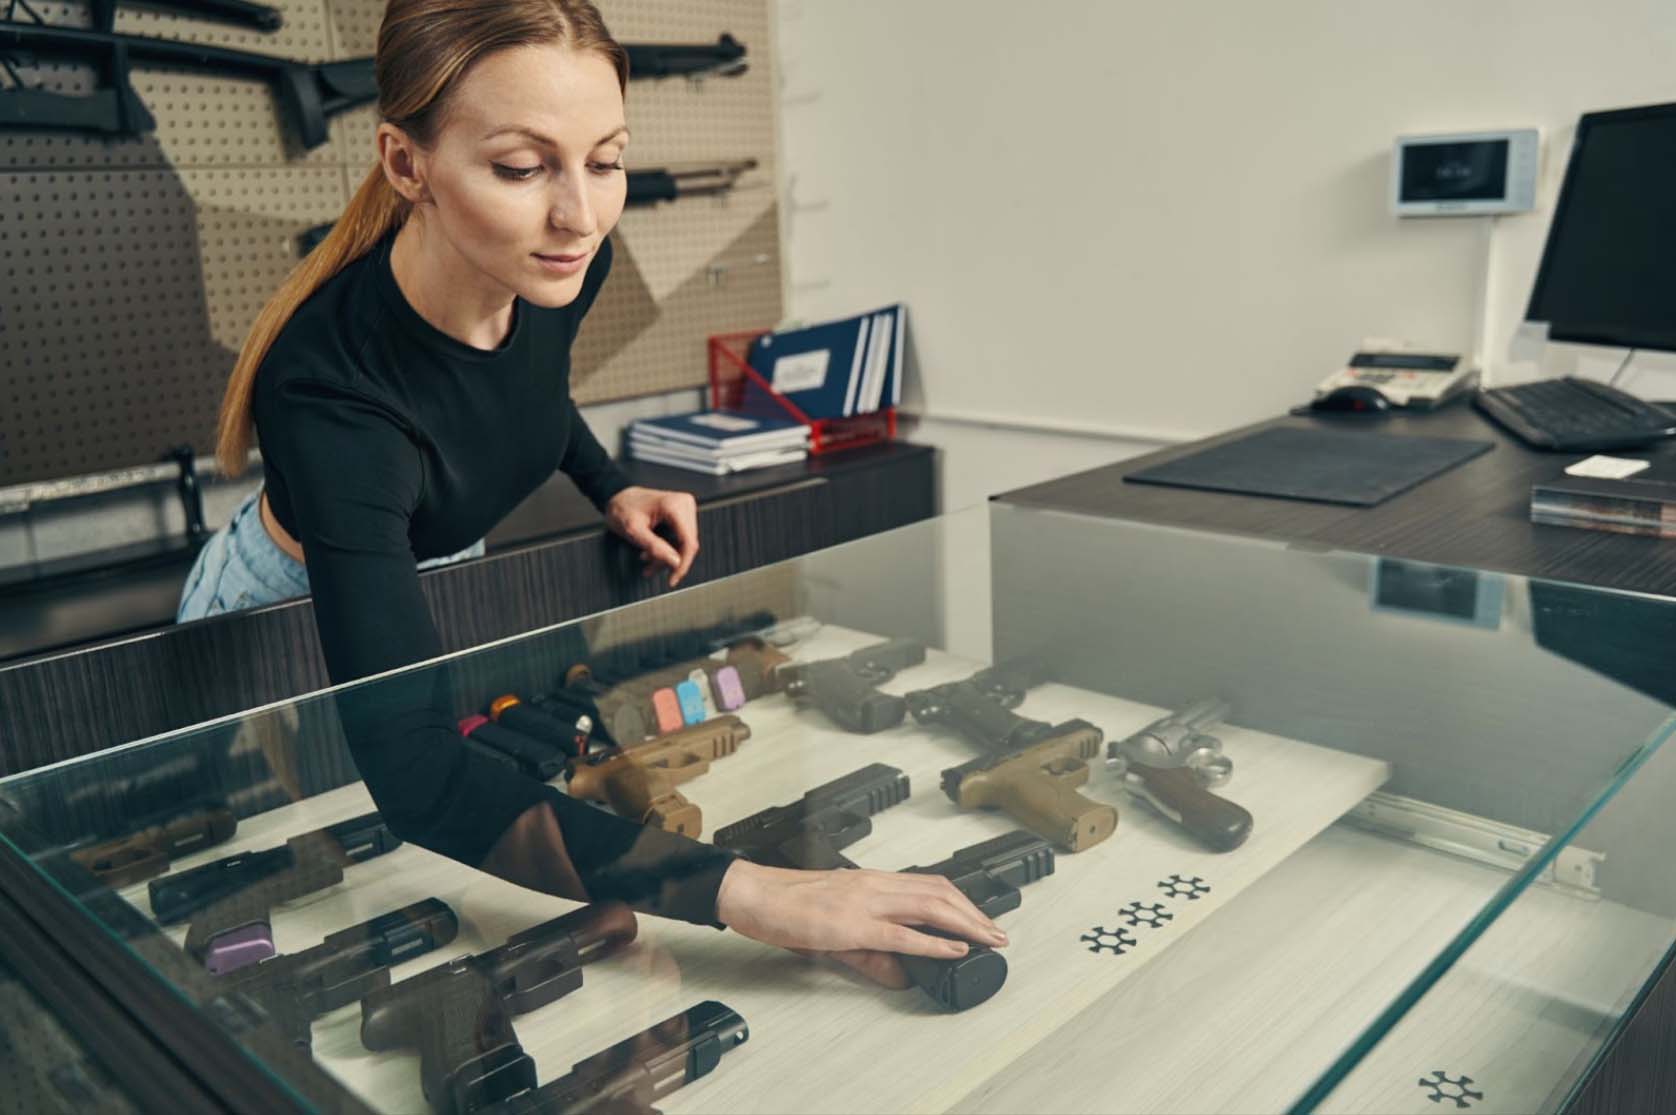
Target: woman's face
[(526, 176)]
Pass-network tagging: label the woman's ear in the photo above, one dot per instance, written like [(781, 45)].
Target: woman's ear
[(403, 163)]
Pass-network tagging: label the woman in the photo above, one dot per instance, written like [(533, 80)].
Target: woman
[(409, 385)]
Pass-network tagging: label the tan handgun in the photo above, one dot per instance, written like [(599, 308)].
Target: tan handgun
[(1033, 769), (638, 780), (1037, 786)]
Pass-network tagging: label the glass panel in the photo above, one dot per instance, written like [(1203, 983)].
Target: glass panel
[(44, 1070), (1236, 805)]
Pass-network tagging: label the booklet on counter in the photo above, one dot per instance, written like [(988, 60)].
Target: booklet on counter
[(718, 442), (722, 430), (714, 465)]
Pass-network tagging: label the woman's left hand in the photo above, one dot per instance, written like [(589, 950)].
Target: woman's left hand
[(635, 514)]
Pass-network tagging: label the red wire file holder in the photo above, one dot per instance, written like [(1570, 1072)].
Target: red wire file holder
[(730, 373)]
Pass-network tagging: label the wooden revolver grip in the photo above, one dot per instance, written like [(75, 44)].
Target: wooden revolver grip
[(1213, 820)]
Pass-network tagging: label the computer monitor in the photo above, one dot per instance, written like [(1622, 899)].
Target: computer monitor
[(1608, 272)]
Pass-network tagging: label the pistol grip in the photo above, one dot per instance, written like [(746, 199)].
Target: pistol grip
[(649, 797), (960, 983), (674, 813), (1049, 805), (1211, 819)]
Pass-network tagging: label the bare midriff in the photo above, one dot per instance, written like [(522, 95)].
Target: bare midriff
[(276, 532)]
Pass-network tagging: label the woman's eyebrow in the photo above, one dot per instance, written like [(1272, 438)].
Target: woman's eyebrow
[(620, 130)]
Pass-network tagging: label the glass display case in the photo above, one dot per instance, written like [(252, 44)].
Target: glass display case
[(1268, 829), (44, 1069)]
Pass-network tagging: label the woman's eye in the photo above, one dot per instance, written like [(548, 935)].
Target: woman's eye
[(516, 173), (605, 168)]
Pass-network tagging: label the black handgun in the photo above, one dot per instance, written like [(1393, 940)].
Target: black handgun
[(176, 897), (843, 688), (533, 756), (298, 987), (233, 930), (809, 834), (458, 1015), (638, 1071), (989, 873)]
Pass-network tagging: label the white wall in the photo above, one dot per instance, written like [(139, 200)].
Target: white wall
[(1146, 222)]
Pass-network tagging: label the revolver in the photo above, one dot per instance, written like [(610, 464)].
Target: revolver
[(1170, 763)]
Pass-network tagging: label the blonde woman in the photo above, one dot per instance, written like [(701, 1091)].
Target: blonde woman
[(409, 385)]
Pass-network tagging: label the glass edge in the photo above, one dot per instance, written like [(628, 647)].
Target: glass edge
[(1416, 989), (131, 959)]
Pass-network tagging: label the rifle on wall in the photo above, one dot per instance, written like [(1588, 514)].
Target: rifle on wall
[(309, 93)]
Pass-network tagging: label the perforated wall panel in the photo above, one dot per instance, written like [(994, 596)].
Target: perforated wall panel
[(130, 269)]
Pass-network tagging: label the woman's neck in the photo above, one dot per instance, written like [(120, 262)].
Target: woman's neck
[(446, 290)]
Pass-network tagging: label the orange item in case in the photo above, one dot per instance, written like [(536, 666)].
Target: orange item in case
[(667, 707)]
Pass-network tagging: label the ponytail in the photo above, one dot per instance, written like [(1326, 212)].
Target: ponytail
[(373, 212)]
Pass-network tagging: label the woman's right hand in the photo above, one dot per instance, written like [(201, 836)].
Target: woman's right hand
[(858, 918)]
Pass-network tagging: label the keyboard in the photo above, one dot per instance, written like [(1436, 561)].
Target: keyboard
[(1575, 415)]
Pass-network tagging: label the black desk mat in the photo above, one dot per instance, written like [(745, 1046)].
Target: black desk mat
[(1323, 466)]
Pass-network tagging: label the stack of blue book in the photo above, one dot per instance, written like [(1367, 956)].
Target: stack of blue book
[(718, 442)]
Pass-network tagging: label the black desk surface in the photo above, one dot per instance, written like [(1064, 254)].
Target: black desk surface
[(61, 612), (1476, 515)]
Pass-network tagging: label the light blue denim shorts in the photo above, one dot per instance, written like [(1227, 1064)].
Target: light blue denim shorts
[(241, 567)]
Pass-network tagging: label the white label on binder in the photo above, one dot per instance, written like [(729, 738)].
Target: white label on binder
[(803, 372)]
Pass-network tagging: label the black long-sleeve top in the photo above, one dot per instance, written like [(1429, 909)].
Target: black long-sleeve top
[(385, 442)]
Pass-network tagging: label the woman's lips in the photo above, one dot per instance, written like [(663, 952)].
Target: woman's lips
[(562, 264)]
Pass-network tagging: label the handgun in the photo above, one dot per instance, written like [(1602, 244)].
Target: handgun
[(1033, 769), (567, 732), (618, 715), (758, 664), (628, 704), (843, 688), (458, 1016), (989, 873), (143, 854), (810, 833), (296, 988), (637, 1072), (1170, 763), (535, 758), (179, 895), (235, 930), (638, 780)]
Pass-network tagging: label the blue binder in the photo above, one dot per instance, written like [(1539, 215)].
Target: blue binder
[(835, 369)]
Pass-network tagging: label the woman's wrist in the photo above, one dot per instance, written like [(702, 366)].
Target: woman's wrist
[(740, 884)]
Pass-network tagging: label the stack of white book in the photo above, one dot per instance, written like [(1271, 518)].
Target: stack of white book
[(718, 442)]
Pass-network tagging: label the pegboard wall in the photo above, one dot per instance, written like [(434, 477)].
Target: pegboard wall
[(131, 268)]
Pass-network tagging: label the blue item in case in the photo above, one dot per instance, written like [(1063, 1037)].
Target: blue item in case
[(692, 702)]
